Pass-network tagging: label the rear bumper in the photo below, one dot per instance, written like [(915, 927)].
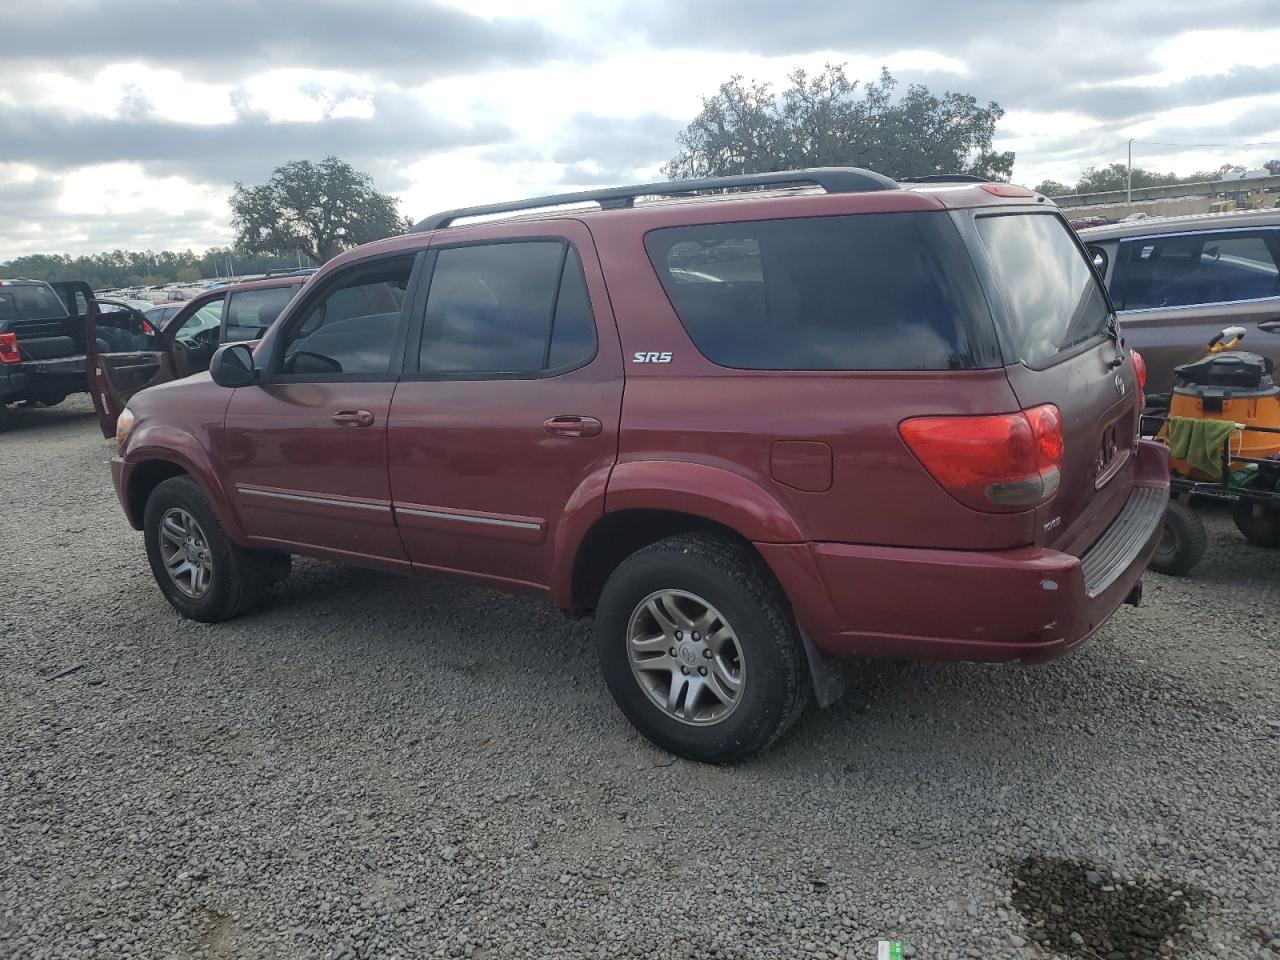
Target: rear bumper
[(56, 366), (1026, 604)]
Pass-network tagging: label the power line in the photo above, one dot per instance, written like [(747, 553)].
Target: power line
[(1160, 143)]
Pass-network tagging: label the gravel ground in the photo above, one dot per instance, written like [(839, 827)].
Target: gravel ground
[(377, 767)]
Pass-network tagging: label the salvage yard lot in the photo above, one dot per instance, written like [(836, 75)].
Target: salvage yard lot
[(370, 766)]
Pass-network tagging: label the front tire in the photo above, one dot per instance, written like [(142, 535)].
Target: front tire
[(699, 648), (1182, 541), (202, 574)]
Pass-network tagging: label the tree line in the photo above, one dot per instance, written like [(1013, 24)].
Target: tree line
[(818, 119), (1115, 176)]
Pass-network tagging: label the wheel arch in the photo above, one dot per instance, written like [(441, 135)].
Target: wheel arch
[(153, 459)]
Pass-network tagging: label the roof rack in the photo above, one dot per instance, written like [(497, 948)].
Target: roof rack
[(831, 179), (944, 178)]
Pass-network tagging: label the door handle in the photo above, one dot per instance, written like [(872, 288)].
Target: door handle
[(572, 426), (1269, 326), (353, 418)]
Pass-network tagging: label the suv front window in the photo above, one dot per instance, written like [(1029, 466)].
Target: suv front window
[(1052, 296), (893, 291), (352, 328)]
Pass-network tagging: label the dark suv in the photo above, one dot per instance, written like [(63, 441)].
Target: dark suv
[(806, 417)]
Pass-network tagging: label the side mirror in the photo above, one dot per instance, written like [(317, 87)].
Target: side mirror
[(232, 366)]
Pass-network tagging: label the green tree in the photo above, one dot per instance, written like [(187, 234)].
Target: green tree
[(1052, 188), (826, 119), (319, 208), (187, 274)]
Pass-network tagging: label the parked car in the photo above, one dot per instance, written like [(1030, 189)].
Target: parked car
[(185, 338), (161, 314), (42, 341), (866, 420), (1177, 281)]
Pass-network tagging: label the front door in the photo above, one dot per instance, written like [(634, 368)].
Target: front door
[(509, 403), (306, 450), (125, 355)]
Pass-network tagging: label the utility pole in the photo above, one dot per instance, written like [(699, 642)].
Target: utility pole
[(1128, 183)]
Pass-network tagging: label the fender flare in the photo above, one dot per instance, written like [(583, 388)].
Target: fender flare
[(167, 443), (704, 490), (676, 486)]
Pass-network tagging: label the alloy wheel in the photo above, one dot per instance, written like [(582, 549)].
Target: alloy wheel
[(686, 657), (184, 549)]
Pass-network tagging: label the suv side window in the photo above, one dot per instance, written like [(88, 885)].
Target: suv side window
[(351, 329), (1198, 268), (513, 309), (251, 312), (875, 291)]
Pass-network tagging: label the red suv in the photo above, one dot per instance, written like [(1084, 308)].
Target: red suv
[(758, 425)]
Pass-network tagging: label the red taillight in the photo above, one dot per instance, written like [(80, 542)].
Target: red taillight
[(9, 352), (1001, 463), (1139, 370)]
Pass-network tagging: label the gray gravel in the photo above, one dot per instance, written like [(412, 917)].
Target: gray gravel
[(377, 767)]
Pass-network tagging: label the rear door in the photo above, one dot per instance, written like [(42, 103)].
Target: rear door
[(509, 403), (126, 354), (1177, 291), (1054, 317)]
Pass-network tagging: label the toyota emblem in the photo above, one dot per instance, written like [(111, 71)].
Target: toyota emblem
[(1120, 387)]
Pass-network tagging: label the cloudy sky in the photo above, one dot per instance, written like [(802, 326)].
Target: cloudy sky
[(124, 123)]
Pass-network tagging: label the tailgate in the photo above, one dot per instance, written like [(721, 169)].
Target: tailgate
[(1099, 404)]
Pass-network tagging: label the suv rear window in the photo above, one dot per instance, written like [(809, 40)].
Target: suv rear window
[(880, 291), (1053, 299), (33, 301)]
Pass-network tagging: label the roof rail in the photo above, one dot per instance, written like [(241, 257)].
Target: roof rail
[(944, 178), (831, 179)]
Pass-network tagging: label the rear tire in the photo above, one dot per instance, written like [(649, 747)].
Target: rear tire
[(4, 416), (1182, 541), (747, 676), (202, 574), (1263, 531)]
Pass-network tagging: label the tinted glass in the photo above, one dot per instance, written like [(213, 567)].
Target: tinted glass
[(30, 302), (573, 337), (1197, 268), (352, 329), (870, 292), (1052, 295), (204, 321), (489, 308), (251, 312)]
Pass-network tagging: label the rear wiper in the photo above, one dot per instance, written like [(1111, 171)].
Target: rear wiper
[(1113, 331)]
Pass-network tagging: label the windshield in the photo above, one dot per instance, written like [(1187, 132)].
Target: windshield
[(30, 302), (1052, 297)]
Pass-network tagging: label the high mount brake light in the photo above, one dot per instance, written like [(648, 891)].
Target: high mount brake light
[(9, 352), (1003, 463), (1007, 190)]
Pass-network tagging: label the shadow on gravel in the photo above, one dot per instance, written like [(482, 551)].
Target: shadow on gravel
[(22, 419), (1085, 911)]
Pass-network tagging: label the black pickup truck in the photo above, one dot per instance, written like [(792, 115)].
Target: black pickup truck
[(43, 329)]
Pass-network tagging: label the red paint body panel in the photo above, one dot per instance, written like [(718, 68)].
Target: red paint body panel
[(1028, 603), (281, 440)]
